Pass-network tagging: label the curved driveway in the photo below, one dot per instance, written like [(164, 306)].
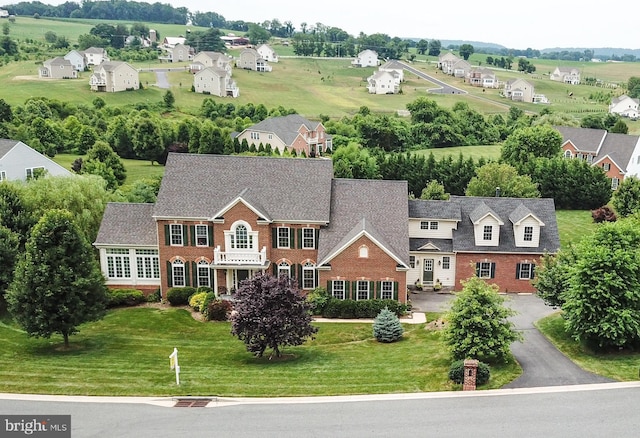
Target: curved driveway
[(542, 363), (444, 88)]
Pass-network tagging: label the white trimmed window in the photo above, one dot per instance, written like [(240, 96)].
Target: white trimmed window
[(568, 154), (283, 237), (362, 291), (178, 273), (118, 265), (308, 238), (202, 235), (308, 276), (386, 290), (147, 263), (338, 289), (525, 271), (284, 269), (240, 236), (204, 279), (363, 252), (433, 225), (606, 166), (528, 234), (3, 175), (485, 269), (33, 172), (412, 261), (487, 233), (424, 225), (446, 262), (614, 183), (175, 231)]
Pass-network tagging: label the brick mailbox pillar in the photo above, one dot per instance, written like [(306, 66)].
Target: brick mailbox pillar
[(470, 373)]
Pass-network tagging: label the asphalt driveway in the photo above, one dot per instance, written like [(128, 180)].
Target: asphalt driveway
[(542, 363)]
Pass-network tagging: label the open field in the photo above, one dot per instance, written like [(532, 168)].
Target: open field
[(127, 354), (619, 366), (136, 169)]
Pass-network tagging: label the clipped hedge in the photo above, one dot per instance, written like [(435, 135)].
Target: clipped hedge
[(125, 297), (456, 372), (352, 309), (179, 296)]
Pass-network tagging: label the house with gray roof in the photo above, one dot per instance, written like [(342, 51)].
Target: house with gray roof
[(625, 106), (19, 161), (218, 220), (57, 68), (568, 75), (292, 132), (250, 59), (617, 154), (114, 76), (498, 239)]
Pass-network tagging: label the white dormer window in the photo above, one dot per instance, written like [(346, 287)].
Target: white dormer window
[(487, 232), (528, 234)]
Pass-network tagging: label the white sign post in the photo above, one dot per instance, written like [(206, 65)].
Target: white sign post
[(173, 363)]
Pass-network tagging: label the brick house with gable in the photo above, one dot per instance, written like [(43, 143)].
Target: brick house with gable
[(617, 154), (292, 132), (219, 220)]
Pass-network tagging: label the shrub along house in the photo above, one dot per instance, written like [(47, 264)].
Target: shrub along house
[(220, 219)]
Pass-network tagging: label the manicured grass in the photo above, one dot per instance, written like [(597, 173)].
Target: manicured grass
[(619, 366), (127, 354), (136, 169), (573, 225)]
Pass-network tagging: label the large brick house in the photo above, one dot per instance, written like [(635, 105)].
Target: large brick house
[(221, 219)]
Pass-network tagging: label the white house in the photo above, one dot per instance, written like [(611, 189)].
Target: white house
[(95, 56), (76, 59), (20, 162), (267, 53), (625, 106), (568, 75), (215, 81), (383, 82), (366, 58)]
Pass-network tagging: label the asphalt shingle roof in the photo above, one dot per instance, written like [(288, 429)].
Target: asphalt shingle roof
[(619, 147), (6, 145), (127, 224), (584, 139), (285, 127), (428, 209), (444, 245), (376, 206), (542, 208), (284, 189)]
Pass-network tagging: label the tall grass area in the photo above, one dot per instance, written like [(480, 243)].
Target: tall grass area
[(127, 354)]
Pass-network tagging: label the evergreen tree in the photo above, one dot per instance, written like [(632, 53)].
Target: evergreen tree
[(58, 284), (271, 312), (387, 327)]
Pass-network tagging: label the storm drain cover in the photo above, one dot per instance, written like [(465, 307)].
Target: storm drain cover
[(192, 403)]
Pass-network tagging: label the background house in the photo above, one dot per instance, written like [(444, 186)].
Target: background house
[(625, 106), (519, 90), (114, 76), (57, 68), (95, 56), (211, 59), (568, 75), (250, 59), (215, 81), (482, 77), (383, 82), (292, 132), (267, 53), (76, 59), (177, 53), (617, 154), (366, 58), (21, 162)]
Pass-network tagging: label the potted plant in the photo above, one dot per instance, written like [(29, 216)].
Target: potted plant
[(437, 286)]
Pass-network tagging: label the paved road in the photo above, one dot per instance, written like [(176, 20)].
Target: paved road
[(542, 363), (443, 87), (567, 412)]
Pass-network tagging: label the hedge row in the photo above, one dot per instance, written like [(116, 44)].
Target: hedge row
[(352, 309)]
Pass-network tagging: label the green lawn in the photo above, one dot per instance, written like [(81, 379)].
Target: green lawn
[(127, 354), (619, 366), (136, 169), (573, 225)]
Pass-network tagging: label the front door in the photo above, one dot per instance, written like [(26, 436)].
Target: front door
[(427, 275)]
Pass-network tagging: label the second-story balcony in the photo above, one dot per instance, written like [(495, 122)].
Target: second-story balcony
[(236, 258)]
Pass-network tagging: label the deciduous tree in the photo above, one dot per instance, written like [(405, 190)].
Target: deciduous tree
[(626, 200), (271, 312), (493, 176)]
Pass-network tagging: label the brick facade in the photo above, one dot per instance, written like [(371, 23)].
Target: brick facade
[(505, 270)]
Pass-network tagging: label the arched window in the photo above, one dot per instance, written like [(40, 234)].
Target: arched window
[(567, 154), (309, 280), (363, 252), (204, 278), (241, 238), (178, 273), (284, 269)]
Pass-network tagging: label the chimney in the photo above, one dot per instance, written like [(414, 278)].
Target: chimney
[(498, 192)]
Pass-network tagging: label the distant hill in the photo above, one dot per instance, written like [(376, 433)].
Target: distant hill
[(602, 51)]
